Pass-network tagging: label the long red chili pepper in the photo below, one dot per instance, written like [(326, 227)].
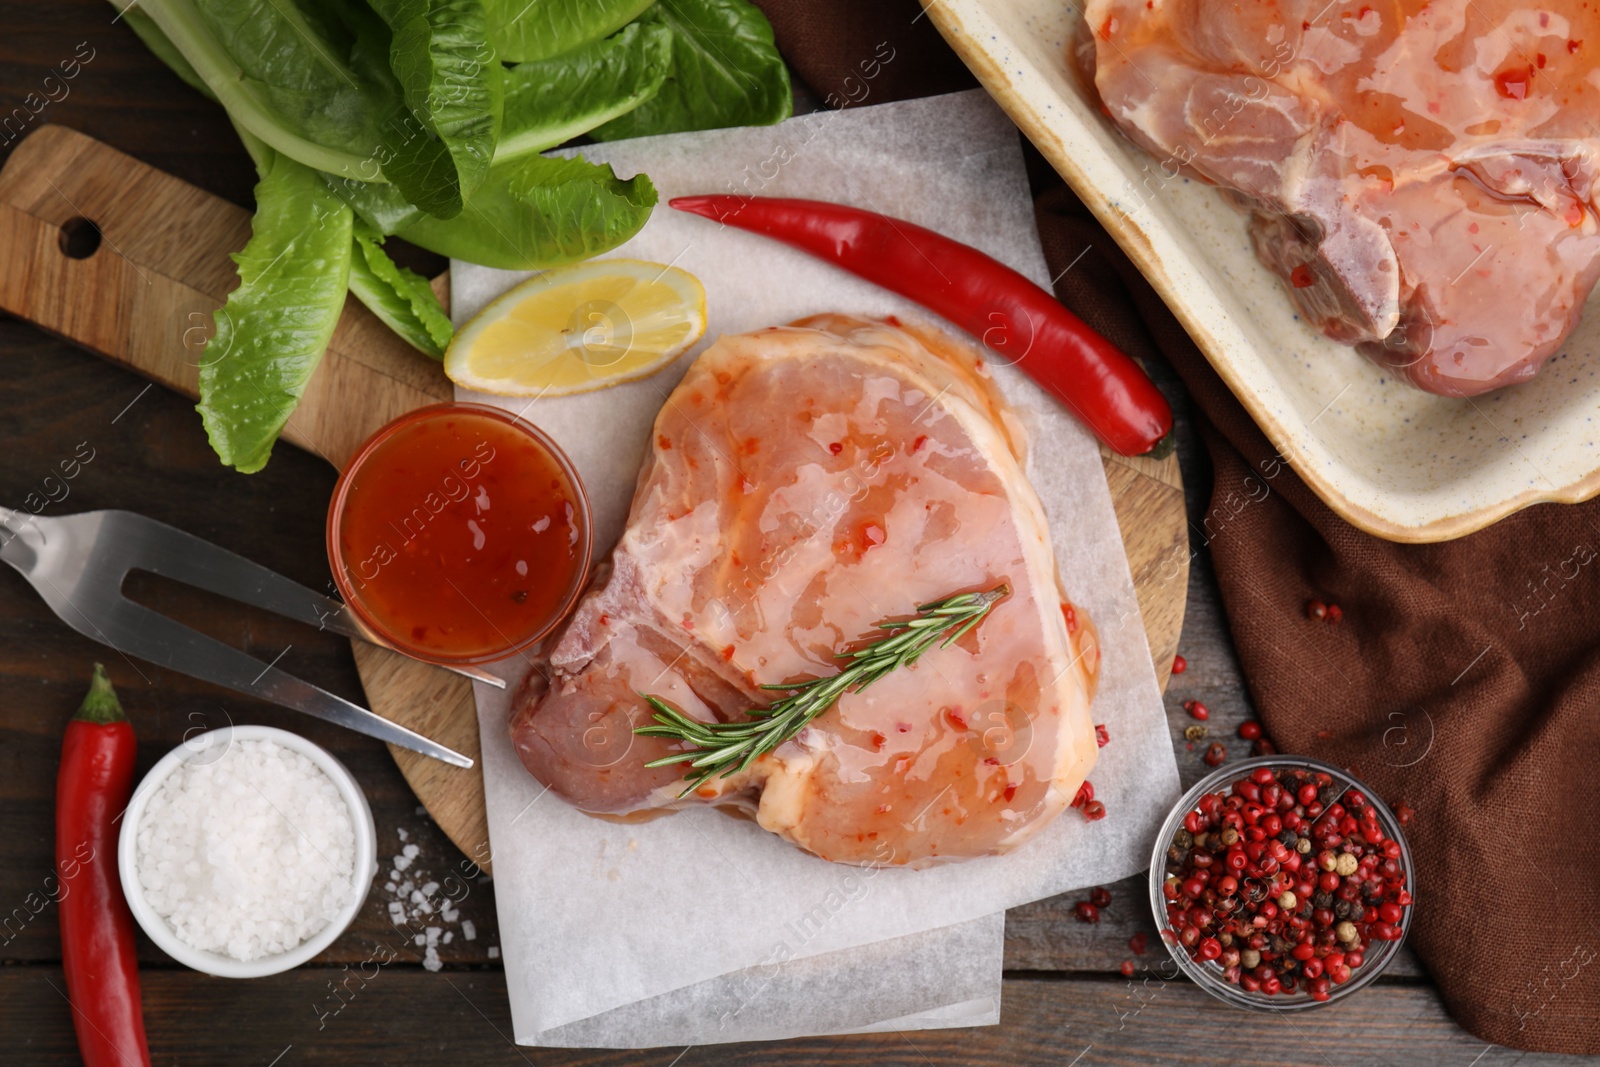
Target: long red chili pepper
[(1011, 315), (92, 789)]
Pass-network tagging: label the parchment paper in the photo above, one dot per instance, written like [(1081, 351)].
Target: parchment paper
[(594, 915)]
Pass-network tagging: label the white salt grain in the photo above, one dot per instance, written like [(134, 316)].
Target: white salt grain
[(248, 855), (420, 898)]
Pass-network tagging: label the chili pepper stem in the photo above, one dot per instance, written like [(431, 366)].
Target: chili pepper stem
[(100, 705)]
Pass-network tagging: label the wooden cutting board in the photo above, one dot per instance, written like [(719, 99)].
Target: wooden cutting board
[(143, 296)]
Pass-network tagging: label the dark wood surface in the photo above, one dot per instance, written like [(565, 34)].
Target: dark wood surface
[(1064, 1000)]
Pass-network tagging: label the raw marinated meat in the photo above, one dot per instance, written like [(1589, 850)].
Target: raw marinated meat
[(1420, 174), (804, 483)]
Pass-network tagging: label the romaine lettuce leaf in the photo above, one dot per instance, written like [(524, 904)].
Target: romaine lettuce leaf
[(551, 101), (402, 298), (272, 65), (525, 31), (165, 50), (539, 212), (383, 207), (271, 333), (726, 71), (438, 147)]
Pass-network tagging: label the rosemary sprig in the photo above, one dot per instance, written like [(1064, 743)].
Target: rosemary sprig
[(723, 748)]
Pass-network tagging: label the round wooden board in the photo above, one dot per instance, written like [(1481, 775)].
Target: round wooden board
[(165, 265), (1148, 497)]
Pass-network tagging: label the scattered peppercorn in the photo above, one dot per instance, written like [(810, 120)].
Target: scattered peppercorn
[(1334, 615), (1101, 737), (1127, 968), (1085, 794), (1086, 912), (1179, 664), (1215, 754), (1094, 811), (1138, 943), (1285, 879), (1100, 896), (1316, 610), (1250, 729), (1197, 710)]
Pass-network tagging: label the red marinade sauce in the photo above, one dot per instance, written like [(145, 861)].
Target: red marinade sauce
[(460, 536)]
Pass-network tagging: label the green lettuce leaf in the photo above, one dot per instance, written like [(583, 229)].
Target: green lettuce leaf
[(540, 212), (551, 101), (525, 31), (726, 71), (402, 298), (383, 207), (270, 336), (440, 145), (281, 75), (165, 50)]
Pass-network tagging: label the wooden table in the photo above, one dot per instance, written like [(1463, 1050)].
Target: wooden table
[(1064, 1000)]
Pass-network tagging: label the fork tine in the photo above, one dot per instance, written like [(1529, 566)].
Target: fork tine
[(183, 557), (149, 635)]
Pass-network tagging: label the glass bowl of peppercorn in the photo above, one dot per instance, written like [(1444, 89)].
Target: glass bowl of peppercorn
[(1281, 883)]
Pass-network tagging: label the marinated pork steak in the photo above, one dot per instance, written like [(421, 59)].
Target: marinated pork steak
[(803, 484), (1420, 174)]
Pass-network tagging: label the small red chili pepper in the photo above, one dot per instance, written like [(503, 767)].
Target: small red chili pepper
[(1002, 308), (1102, 737), (1094, 811), (97, 948)]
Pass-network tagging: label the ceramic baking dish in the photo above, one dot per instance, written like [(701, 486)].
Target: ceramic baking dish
[(1394, 461)]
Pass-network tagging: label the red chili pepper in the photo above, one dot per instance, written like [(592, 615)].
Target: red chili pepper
[(92, 789), (1011, 315)]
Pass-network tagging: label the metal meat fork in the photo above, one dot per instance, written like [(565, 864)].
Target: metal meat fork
[(78, 564)]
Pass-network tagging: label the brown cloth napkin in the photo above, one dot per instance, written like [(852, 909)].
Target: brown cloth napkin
[(1463, 681)]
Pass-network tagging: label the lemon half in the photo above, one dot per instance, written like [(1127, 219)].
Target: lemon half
[(579, 328)]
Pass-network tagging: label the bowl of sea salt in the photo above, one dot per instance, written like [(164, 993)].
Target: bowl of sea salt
[(246, 851)]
